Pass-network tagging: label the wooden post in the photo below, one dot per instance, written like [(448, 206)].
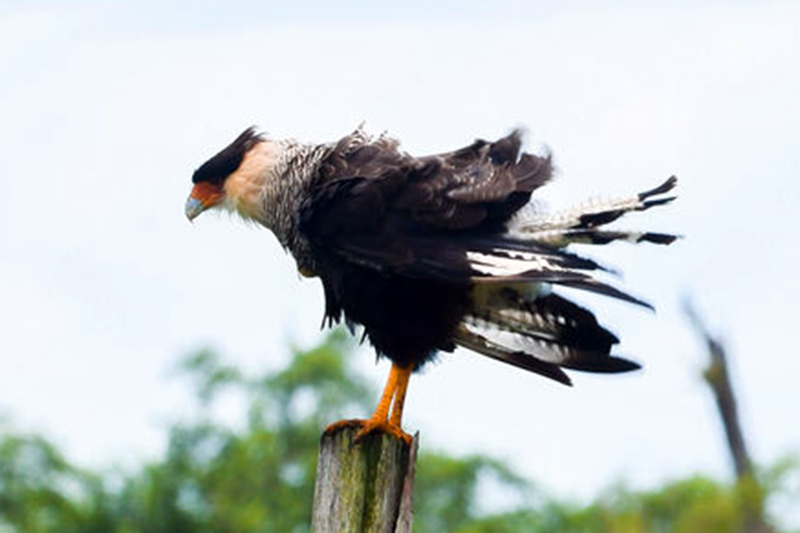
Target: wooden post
[(364, 487)]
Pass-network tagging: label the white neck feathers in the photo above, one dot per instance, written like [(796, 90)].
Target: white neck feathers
[(244, 189)]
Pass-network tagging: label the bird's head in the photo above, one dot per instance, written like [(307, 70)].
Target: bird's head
[(234, 178)]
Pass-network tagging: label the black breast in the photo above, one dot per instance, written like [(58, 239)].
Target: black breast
[(405, 319)]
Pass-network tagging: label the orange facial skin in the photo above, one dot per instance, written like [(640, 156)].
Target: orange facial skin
[(207, 193)]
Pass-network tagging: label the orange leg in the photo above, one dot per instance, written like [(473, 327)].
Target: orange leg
[(393, 398), (401, 386)]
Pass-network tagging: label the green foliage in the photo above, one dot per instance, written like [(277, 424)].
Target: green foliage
[(260, 477), (446, 489), (697, 504), (40, 491)]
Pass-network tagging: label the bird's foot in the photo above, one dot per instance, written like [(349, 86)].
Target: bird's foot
[(382, 421), (370, 425)]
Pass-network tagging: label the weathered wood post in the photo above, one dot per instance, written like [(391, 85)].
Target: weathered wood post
[(363, 487)]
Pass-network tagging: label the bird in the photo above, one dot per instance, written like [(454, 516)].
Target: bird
[(426, 254)]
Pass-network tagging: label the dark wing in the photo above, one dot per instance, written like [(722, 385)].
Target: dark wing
[(439, 217), (474, 186)]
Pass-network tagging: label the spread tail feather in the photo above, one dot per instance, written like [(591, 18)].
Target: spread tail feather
[(478, 343), (541, 333), (581, 223)]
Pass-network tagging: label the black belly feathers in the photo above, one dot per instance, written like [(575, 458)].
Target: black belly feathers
[(419, 252)]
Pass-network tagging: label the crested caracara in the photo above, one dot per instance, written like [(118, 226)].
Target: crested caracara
[(430, 253)]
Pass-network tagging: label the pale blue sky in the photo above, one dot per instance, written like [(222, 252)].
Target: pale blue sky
[(108, 108)]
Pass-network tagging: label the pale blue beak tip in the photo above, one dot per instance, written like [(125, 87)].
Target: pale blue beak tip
[(193, 208)]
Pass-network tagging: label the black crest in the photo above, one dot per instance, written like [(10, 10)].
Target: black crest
[(222, 165)]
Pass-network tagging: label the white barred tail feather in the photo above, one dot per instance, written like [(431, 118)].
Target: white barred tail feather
[(503, 266), (581, 223), (542, 332)]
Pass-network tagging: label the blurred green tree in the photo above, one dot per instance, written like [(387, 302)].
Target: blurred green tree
[(259, 477)]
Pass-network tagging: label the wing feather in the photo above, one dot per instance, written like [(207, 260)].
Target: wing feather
[(443, 217)]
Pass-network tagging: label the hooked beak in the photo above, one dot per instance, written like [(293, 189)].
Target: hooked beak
[(203, 196), (193, 208)]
